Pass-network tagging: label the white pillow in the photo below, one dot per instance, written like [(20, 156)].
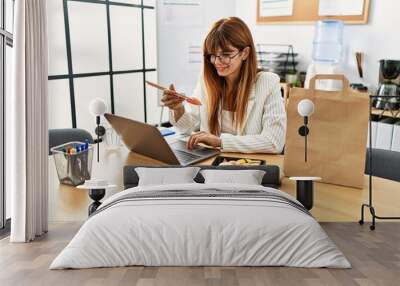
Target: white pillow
[(248, 177), (165, 176)]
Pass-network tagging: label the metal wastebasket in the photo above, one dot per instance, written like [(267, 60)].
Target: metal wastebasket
[(73, 168)]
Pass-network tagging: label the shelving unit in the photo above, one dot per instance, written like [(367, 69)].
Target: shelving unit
[(276, 58), (389, 113)]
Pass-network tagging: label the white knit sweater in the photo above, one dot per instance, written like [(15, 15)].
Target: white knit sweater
[(264, 129)]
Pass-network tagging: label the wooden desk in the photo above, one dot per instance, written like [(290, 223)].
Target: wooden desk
[(331, 202)]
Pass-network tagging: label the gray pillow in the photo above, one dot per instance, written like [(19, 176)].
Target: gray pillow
[(165, 176), (248, 177)]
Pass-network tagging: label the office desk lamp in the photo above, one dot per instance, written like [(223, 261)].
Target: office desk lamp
[(305, 108), (97, 107), (304, 185)]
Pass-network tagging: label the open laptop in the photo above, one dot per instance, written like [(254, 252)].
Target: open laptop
[(147, 140)]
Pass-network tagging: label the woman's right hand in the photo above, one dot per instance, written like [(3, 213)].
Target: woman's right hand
[(170, 99)]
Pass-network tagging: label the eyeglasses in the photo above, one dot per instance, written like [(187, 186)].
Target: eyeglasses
[(224, 59)]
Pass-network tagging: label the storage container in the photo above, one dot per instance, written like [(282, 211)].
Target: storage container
[(73, 168)]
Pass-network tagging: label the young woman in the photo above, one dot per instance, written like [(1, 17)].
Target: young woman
[(242, 109)]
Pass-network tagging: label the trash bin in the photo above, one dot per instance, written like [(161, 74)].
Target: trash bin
[(73, 162)]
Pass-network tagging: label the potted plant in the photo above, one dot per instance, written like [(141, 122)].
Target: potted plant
[(291, 76)]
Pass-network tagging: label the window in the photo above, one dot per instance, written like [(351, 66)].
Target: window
[(6, 43), (105, 49)]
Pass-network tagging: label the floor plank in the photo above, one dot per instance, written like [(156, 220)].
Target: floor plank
[(375, 257)]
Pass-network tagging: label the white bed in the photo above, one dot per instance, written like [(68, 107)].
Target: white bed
[(224, 225)]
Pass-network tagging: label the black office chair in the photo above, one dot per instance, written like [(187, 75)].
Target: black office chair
[(61, 136), (385, 164)]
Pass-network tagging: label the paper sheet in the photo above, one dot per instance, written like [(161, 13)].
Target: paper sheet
[(340, 7), (195, 54), (183, 13), (269, 8)]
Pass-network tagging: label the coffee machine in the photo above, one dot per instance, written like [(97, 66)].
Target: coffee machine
[(389, 85)]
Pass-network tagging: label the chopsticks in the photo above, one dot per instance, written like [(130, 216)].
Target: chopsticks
[(191, 100), (359, 59)]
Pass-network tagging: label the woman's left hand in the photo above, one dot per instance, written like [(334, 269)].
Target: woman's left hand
[(203, 137)]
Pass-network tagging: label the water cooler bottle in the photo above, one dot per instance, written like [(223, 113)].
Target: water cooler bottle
[(327, 54)]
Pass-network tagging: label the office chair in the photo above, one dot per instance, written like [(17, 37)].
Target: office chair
[(385, 164)]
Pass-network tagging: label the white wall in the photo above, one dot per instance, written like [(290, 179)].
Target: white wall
[(374, 39), (378, 39), (174, 39)]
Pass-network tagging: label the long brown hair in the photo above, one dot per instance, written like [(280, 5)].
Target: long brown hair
[(224, 34)]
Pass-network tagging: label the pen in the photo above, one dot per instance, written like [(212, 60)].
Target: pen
[(191, 100)]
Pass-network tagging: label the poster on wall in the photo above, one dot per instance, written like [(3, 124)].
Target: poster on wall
[(182, 13), (195, 55), (340, 7), (272, 8)]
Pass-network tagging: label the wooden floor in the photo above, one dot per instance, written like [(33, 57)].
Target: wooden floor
[(375, 257)]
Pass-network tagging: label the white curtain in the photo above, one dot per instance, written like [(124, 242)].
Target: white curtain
[(28, 116)]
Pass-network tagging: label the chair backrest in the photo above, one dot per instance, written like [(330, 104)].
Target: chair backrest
[(385, 164), (61, 136)]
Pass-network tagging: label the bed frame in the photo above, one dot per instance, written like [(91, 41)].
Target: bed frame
[(271, 178)]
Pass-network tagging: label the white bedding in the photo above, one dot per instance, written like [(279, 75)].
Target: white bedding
[(185, 231)]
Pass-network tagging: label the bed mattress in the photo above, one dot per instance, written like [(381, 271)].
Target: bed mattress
[(201, 225)]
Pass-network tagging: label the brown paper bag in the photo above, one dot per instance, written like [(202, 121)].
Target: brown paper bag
[(337, 138)]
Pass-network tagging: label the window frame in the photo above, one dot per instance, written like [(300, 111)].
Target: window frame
[(111, 72), (6, 39)]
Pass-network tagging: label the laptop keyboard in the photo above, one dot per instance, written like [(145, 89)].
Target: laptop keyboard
[(185, 157)]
